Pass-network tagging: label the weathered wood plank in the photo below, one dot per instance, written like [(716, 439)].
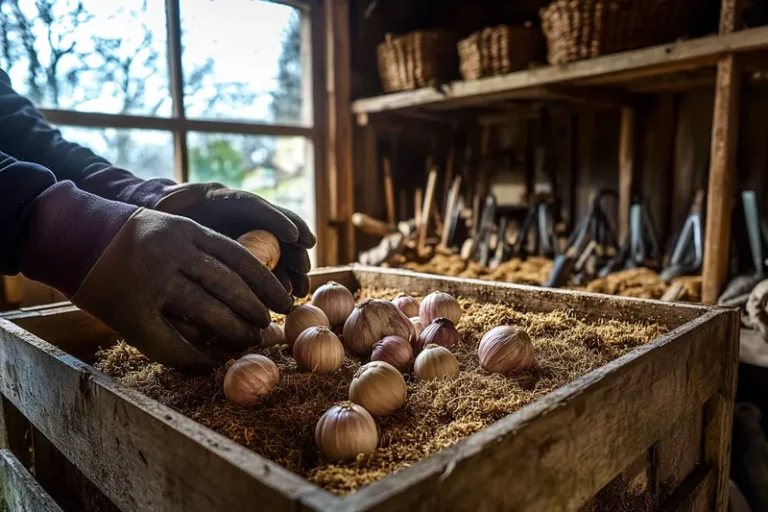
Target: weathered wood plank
[(529, 461), (680, 451), (631, 65), (697, 494), (19, 492), (142, 455), (722, 172), (533, 298), (718, 417)]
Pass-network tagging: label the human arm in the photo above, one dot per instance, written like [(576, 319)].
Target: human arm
[(133, 268)]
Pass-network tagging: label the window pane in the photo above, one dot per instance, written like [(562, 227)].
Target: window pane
[(146, 153), (88, 55), (243, 60), (279, 169)]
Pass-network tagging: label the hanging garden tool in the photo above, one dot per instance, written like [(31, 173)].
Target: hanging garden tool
[(537, 226), (688, 251), (738, 289), (595, 228), (641, 247)]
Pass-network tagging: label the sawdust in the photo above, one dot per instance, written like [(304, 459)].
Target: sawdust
[(436, 415)]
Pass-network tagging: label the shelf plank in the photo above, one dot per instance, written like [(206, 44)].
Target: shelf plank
[(615, 70)]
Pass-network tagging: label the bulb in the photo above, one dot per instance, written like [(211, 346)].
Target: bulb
[(345, 431), (318, 350), (439, 304), (272, 335), (394, 350), (250, 379), (416, 321), (505, 349), (435, 362), (301, 318), (379, 388), (372, 320), (440, 332), (263, 245), (336, 301), (407, 304)]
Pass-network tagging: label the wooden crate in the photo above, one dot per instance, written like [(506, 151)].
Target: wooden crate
[(655, 422)]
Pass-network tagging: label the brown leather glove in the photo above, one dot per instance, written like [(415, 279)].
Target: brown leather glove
[(233, 213), (160, 267)]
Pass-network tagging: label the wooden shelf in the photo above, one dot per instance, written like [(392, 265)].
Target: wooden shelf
[(629, 71)]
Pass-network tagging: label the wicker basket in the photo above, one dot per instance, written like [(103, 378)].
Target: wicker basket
[(500, 50), (418, 59), (581, 29)]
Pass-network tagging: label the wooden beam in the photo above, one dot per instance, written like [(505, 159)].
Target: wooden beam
[(326, 234), (19, 492), (722, 171), (339, 76), (627, 66), (627, 167)]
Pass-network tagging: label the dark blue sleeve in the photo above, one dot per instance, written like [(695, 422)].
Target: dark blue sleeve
[(27, 136), (51, 230)]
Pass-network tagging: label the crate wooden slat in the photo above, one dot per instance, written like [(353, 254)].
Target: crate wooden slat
[(555, 454), (19, 492)]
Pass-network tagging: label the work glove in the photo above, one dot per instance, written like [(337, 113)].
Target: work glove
[(161, 268), (233, 213)]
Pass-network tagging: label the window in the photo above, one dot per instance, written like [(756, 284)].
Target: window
[(199, 90)]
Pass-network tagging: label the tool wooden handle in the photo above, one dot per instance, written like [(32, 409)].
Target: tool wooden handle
[(371, 226)]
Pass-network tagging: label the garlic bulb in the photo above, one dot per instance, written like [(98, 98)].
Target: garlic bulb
[(505, 349), (378, 387), (416, 321), (440, 332), (372, 320), (394, 350), (318, 350), (346, 430), (336, 301), (407, 304), (250, 379), (435, 362), (263, 245), (439, 304), (272, 335), (303, 317)]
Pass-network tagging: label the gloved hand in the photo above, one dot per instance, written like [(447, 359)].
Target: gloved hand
[(233, 213), (161, 266)]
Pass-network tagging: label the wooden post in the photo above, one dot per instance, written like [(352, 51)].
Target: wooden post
[(339, 135), (722, 171), (627, 142)]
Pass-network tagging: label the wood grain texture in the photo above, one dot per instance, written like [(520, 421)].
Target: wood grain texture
[(616, 68), (680, 451), (722, 172), (19, 492)]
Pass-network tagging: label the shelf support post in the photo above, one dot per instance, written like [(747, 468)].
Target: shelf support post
[(722, 171), (627, 167)]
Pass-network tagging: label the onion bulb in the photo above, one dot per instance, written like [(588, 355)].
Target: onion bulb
[(394, 350), (272, 335), (372, 320), (318, 350), (505, 349), (379, 388), (250, 379), (416, 321), (336, 301), (263, 246), (440, 332), (301, 318), (439, 304), (345, 431), (407, 304), (435, 362)]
